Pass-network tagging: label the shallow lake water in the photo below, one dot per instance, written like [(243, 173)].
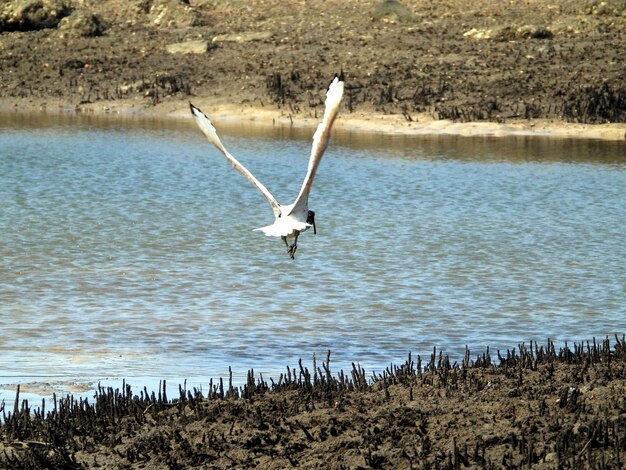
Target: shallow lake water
[(127, 251)]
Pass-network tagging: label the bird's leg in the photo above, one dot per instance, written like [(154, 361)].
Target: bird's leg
[(292, 249)]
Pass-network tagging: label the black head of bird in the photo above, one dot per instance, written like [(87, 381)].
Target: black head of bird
[(310, 219)]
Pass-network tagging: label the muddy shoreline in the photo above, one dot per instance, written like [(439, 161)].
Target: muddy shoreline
[(411, 67), (529, 407)]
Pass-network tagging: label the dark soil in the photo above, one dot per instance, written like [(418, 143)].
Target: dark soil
[(527, 408), (482, 60)]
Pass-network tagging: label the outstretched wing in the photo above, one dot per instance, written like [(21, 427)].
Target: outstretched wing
[(207, 128), (320, 142)]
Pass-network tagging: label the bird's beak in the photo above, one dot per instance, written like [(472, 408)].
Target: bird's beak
[(314, 228)]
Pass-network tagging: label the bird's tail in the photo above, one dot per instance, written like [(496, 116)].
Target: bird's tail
[(283, 228)]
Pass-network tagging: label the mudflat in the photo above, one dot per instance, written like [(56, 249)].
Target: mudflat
[(410, 67), (530, 407)]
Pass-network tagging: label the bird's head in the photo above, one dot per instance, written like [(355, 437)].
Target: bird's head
[(310, 219)]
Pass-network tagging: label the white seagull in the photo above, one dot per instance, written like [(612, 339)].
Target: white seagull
[(294, 218)]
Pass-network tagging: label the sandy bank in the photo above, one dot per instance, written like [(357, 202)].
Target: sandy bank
[(360, 122)]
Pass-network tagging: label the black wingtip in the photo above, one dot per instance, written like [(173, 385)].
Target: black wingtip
[(338, 76), (195, 111)]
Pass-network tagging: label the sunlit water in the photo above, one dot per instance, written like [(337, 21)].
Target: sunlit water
[(126, 249)]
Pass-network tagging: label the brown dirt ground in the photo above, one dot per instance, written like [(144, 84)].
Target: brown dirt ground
[(416, 60), (528, 408)]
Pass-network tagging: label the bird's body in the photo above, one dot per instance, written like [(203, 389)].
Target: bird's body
[(292, 219), (287, 223)]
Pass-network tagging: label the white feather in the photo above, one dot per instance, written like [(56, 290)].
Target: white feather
[(211, 134)]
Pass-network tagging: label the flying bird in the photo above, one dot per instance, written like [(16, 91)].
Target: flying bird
[(292, 219)]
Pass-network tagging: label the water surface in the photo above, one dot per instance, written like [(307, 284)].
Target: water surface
[(126, 249)]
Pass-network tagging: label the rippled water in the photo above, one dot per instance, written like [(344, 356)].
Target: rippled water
[(126, 249)]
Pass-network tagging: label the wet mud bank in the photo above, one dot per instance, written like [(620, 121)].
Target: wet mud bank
[(413, 60), (529, 407)]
